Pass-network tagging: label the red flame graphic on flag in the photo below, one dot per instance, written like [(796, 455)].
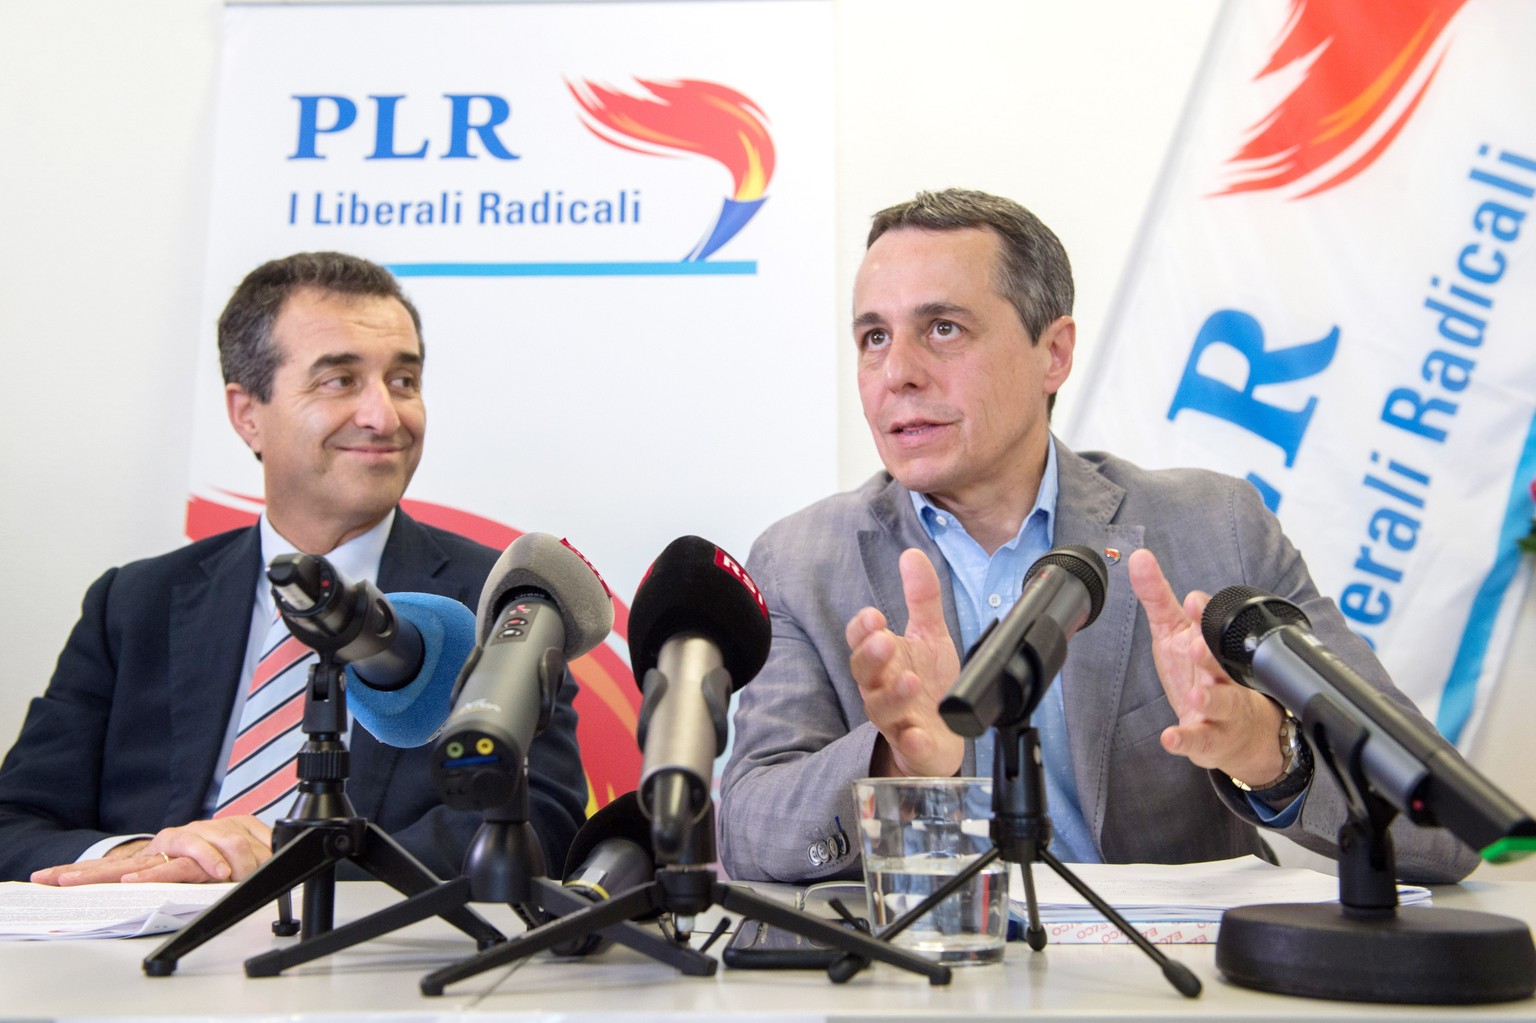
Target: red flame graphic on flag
[(1365, 80), (687, 116)]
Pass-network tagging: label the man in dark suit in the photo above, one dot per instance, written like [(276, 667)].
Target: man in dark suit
[(120, 763)]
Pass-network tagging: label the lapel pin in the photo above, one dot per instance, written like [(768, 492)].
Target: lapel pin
[(1112, 555)]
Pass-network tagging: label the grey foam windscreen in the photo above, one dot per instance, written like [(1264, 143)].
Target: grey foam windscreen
[(539, 564)]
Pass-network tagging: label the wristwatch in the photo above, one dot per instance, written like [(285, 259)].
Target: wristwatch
[(1296, 772)]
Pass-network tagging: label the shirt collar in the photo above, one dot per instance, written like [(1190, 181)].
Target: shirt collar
[(358, 558), (936, 520)]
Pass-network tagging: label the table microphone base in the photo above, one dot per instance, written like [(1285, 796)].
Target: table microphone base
[(1419, 954)]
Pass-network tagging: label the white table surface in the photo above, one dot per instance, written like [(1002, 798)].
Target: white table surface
[(103, 980)]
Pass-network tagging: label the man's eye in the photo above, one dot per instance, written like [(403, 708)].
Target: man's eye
[(408, 383), (944, 328), (340, 382), (876, 339)]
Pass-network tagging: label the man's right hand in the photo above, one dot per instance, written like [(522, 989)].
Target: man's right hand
[(903, 678), (226, 849)]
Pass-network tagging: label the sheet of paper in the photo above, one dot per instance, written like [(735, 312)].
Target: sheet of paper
[(1168, 900), (37, 911)]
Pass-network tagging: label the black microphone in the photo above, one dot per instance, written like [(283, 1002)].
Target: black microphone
[(352, 622), (1014, 661), (698, 631), (609, 855), (1266, 643), (543, 604)]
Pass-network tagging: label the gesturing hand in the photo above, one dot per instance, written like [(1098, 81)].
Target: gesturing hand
[(903, 678), (1222, 725)]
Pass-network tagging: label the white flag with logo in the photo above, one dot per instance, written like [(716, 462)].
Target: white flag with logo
[(1335, 298)]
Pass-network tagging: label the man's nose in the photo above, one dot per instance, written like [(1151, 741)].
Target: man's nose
[(376, 409), (905, 364)]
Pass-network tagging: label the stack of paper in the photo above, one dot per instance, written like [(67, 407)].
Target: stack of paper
[(35, 911), (1174, 903)]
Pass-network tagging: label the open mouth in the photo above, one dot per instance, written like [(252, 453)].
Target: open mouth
[(916, 429)]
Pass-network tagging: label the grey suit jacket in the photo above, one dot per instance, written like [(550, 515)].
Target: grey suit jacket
[(802, 737)]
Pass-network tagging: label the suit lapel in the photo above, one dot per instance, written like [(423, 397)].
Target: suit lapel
[(208, 629), (880, 549), (410, 555), (1095, 672)]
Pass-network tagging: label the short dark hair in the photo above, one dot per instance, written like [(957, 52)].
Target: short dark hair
[(247, 353), (1034, 274)]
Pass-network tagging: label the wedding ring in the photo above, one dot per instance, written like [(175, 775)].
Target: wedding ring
[(164, 857)]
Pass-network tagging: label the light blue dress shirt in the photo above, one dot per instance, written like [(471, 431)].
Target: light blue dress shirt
[(986, 588)]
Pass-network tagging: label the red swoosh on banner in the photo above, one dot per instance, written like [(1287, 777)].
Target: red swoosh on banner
[(607, 700), (1364, 57), (686, 116)]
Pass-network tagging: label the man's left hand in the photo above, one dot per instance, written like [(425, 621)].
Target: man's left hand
[(224, 849), (1222, 725)]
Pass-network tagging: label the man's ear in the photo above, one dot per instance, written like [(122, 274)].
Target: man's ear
[(241, 406), (1059, 341)]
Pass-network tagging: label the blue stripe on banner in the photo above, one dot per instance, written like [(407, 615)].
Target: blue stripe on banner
[(678, 269), (1461, 687)]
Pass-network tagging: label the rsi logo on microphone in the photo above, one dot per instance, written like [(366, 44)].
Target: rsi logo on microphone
[(725, 561), (572, 548)]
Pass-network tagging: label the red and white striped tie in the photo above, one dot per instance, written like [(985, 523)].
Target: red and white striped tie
[(263, 773)]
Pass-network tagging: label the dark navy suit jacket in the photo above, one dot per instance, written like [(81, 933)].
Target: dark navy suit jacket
[(126, 738)]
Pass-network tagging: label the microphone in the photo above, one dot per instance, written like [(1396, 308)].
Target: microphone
[(609, 855), (352, 622), (1266, 643), (698, 631), (401, 653), (411, 715), (1012, 664), (543, 604)]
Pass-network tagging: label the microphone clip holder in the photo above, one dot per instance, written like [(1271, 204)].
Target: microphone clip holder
[(320, 831)]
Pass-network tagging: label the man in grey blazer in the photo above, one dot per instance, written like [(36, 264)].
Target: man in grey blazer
[(964, 335)]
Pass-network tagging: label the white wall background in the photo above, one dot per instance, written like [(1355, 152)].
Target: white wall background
[(106, 119)]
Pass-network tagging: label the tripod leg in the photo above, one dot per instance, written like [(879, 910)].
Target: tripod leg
[(589, 920), (285, 926), (555, 899), (844, 968), (1034, 932), (319, 903), (387, 860), (435, 901), (1178, 975), (860, 947), (292, 865)]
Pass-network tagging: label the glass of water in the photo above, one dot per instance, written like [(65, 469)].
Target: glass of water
[(918, 833)]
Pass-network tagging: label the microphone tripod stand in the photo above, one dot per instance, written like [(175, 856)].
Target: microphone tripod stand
[(1364, 949), (505, 863), (684, 889), (1021, 831), (321, 830)]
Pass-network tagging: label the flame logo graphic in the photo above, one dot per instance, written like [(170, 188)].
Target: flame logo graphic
[(690, 116), (1371, 64), (607, 699)]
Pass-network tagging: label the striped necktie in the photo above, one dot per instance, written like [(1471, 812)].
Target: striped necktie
[(263, 773)]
